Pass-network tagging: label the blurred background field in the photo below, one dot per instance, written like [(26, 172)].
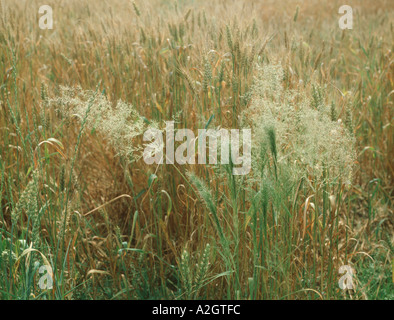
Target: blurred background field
[(76, 195)]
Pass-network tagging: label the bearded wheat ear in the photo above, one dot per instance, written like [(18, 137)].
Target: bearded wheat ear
[(189, 81), (136, 9), (186, 273), (64, 221), (333, 112), (207, 75), (33, 210), (229, 38), (202, 269), (3, 13)]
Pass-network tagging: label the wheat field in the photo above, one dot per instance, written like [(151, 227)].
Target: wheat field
[(83, 216)]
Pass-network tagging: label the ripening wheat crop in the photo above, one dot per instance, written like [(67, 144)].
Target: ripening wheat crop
[(77, 197)]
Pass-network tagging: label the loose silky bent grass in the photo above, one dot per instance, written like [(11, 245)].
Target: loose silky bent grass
[(77, 198)]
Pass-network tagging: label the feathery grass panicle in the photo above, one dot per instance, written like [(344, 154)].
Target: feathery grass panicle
[(307, 139), (286, 226), (121, 124), (28, 201)]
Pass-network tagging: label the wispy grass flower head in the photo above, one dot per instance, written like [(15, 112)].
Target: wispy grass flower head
[(120, 123), (307, 139)]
